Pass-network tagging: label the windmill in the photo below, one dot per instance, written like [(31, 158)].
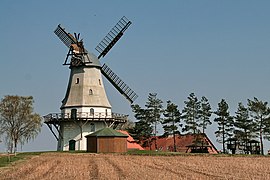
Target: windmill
[(85, 107)]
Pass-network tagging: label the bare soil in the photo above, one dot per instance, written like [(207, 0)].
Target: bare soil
[(113, 166)]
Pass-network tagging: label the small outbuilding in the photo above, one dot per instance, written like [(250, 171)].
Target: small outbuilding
[(106, 140)]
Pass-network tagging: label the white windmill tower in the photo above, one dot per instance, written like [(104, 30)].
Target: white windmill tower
[(85, 107)]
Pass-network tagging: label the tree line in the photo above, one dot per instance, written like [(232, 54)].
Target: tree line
[(250, 122)]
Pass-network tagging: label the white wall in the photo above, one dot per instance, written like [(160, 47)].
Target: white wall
[(71, 131)]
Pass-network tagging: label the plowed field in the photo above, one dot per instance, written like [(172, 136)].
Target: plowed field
[(112, 166)]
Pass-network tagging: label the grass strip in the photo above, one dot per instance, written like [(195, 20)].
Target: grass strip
[(7, 159)]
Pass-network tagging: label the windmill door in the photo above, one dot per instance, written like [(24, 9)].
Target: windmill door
[(72, 144)]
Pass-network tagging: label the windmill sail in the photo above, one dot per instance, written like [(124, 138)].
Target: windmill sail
[(64, 36), (118, 83), (113, 36)]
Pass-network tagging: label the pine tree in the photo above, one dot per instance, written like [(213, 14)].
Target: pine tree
[(224, 122), (171, 121), (143, 129), (244, 125), (190, 114), (205, 114), (154, 110), (260, 113)]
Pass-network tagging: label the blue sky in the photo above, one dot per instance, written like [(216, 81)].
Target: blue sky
[(217, 49)]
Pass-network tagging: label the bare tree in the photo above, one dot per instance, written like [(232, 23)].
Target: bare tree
[(18, 123)]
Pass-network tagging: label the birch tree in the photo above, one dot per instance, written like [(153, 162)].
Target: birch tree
[(18, 122)]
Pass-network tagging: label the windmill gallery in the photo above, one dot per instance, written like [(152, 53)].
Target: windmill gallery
[(85, 108)]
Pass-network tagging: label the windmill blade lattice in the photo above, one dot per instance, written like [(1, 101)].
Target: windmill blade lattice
[(112, 37), (118, 83), (64, 36)]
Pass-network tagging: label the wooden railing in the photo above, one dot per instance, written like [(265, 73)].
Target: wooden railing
[(86, 116)]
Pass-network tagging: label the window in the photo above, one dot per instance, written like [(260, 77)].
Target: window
[(106, 112), (90, 92), (73, 113), (77, 81), (92, 111), (99, 82), (92, 127)]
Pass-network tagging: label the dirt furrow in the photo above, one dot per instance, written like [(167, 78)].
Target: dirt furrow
[(200, 173), (44, 172), (72, 166), (179, 166), (158, 168), (119, 171), (93, 169), (23, 170), (105, 169)]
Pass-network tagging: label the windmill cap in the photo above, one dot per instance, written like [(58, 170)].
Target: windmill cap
[(94, 61)]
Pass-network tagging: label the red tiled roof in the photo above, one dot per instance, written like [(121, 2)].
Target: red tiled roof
[(183, 143), (131, 143)]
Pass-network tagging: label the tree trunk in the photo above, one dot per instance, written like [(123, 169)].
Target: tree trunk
[(246, 141), (203, 128), (223, 138), (15, 146), (10, 147), (174, 143), (261, 142), (155, 135), (261, 139), (193, 122)]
